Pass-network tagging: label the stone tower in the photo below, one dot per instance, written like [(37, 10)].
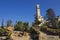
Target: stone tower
[(38, 14), (39, 20)]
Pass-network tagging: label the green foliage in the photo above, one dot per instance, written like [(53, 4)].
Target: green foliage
[(9, 23), (58, 25), (2, 26), (53, 30), (51, 17), (45, 24), (26, 26), (8, 37), (21, 26), (1, 31)]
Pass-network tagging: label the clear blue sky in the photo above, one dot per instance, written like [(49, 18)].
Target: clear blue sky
[(25, 9)]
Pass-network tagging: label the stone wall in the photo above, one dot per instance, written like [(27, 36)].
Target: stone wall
[(44, 36)]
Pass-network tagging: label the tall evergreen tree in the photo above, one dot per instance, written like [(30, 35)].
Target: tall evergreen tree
[(26, 25), (9, 23), (19, 26), (51, 17), (2, 26)]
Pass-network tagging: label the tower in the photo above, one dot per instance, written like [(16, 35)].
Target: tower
[(38, 14), (38, 11), (39, 20)]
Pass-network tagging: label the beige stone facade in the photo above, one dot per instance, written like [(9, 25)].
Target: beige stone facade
[(38, 14)]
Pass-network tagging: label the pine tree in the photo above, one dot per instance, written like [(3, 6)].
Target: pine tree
[(9, 23), (2, 26), (51, 17)]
